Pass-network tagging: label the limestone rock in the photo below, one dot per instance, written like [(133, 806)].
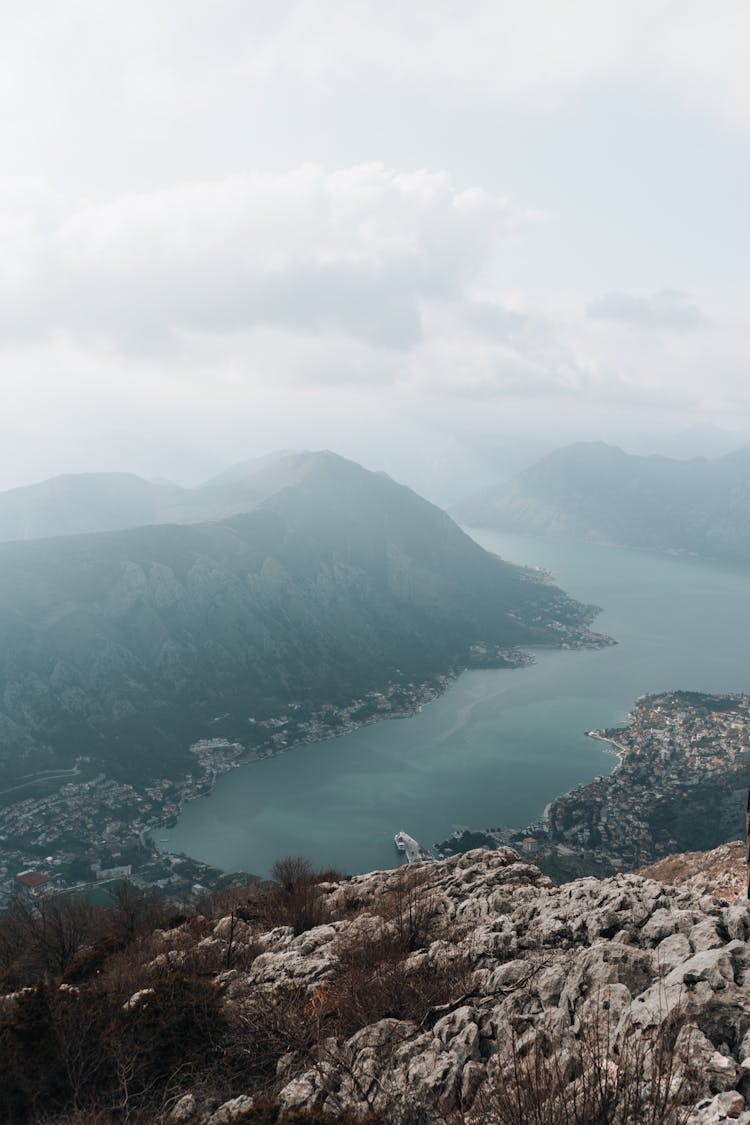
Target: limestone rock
[(184, 1110), (534, 975), (230, 1112)]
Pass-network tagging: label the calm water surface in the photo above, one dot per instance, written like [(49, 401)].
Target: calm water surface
[(499, 744)]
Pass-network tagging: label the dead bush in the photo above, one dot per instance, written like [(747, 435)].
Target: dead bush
[(594, 1079), (269, 1025), (374, 980), (411, 904)]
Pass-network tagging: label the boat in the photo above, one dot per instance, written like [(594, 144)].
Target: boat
[(399, 841)]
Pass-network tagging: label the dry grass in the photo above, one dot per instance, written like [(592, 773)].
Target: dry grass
[(721, 872)]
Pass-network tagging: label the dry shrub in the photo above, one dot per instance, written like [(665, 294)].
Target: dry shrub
[(74, 1050), (64, 934), (269, 1025), (294, 898), (411, 903), (267, 1112), (597, 1078), (43, 935), (375, 979)]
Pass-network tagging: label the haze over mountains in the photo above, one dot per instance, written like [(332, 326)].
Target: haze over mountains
[(128, 645), (597, 492), (80, 502)]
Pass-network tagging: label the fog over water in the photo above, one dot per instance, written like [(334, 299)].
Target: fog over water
[(499, 744)]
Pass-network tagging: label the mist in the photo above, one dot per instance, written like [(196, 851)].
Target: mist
[(225, 234)]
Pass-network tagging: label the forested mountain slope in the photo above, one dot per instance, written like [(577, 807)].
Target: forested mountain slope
[(127, 646)]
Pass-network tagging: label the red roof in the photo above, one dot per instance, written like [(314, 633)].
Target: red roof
[(32, 878)]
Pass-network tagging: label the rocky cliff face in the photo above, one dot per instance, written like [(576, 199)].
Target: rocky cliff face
[(525, 998)]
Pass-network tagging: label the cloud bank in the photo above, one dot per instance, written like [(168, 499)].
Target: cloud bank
[(363, 224), (355, 251)]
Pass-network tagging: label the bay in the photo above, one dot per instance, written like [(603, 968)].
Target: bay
[(498, 745)]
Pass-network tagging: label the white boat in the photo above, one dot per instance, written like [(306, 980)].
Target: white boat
[(399, 841)]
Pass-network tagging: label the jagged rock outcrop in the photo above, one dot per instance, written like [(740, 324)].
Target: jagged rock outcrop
[(469, 991), (634, 987)]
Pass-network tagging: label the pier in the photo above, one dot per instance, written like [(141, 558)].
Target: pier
[(411, 848)]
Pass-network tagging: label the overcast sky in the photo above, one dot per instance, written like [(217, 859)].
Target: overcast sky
[(425, 234)]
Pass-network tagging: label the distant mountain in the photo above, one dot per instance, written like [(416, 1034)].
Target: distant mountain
[(81, 502), (598, 492), (129, 645), (74, 503)]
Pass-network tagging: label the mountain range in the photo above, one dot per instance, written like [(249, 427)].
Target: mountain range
[(329, 581), (80, 502), (595, 491)]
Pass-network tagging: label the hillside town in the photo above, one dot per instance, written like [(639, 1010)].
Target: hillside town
[(679, 785), (675, 787), (677, 782)]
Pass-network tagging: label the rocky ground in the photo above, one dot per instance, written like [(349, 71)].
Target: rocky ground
[(622, 984), (721, 872), (468, 991)]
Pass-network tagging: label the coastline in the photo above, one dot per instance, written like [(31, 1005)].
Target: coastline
[(144, 811), (619, 750), (508, 834), (481, 658), (425, 692)]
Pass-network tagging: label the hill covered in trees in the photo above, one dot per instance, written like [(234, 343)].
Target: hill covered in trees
[(127, 646)]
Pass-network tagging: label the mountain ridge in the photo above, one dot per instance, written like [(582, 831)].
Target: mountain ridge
[(595, 491), (78, 503)]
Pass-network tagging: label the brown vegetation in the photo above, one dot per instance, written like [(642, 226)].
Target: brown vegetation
[(603, 1076), (109, 1015)]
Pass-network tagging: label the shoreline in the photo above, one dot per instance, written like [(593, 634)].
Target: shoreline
[(428, 692), (151, 809), (611, 746), (619, 750)]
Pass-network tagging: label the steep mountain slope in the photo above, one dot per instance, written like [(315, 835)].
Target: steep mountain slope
[(598, 492), (469, 991), (125, 646)]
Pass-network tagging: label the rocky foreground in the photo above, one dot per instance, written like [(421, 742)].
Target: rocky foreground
[(627, 984), (471, 990)]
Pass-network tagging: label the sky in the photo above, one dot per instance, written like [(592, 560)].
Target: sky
[(441, 238)]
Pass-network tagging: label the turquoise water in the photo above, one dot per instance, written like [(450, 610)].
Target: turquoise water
[(499, 744)]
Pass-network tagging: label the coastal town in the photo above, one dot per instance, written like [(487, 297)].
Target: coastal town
[(84, 831), (677, 786)]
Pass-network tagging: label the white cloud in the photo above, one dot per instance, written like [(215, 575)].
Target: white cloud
[(490, 50), (146, 276), (355, 251), (667, 310)]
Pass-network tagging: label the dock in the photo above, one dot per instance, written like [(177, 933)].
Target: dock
[(411, 848)]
